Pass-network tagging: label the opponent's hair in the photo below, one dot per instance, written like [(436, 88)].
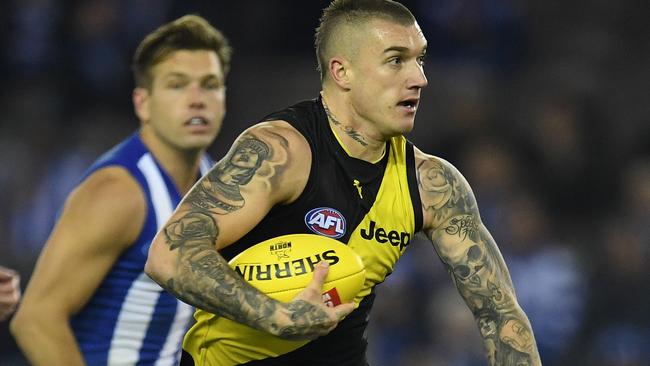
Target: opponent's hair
[(353, 13), (190, 32)]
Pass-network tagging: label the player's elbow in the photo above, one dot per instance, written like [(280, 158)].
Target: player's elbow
[(15, 326), (25, 323), (156, 267), (153, 268)]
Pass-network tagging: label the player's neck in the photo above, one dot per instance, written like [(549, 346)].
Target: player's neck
[(182, 166), (352, 132)]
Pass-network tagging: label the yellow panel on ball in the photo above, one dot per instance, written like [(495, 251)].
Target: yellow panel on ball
[(282, 267)]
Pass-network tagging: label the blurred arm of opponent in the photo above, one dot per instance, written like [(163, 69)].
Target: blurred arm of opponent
[(100, 219), (453, 224), (9, 292), (267, 165)]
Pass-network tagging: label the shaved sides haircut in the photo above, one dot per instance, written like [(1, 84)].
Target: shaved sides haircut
[(350, 14)]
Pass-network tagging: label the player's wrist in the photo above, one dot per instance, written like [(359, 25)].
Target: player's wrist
[(280, 320), (276, 321)]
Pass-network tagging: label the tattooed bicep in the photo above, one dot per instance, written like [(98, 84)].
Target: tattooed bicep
[(259, 153), (444, 192)]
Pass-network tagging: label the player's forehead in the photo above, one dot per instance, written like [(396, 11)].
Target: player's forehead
[(189, 63), (384, 35)]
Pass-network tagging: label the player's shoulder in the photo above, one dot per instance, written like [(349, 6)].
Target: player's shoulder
[(282, 133), (444, 191), (108, 205), (425, 162), (284, 154), (110, 189)]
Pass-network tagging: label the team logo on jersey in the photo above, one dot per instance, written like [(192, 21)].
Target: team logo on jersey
[(326, 221), (393, 237)]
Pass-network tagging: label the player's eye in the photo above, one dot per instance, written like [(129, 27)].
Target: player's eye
[(395, 60), (175, 84), (212, 85)]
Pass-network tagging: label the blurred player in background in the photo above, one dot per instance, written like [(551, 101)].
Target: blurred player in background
[(9, 292), (343, 152), (89, 301)]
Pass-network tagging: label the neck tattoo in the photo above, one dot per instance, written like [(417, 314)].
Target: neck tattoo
[(356, 136)]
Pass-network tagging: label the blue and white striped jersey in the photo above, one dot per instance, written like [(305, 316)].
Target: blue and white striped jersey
[(130, 320)]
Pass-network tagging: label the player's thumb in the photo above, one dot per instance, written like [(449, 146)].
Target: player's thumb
[(320, 274)]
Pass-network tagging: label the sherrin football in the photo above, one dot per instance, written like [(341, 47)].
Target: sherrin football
[(281, 267)]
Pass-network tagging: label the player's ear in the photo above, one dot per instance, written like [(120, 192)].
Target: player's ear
[(141, 103), (340, 71)]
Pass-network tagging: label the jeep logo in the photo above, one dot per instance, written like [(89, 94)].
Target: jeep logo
[(395, 238)]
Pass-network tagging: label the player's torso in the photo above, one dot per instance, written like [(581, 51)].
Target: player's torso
[(368, 206), (130, 319)]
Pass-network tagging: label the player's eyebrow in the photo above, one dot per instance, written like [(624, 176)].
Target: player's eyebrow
[(399, 49), (402, 49), (177, 74)]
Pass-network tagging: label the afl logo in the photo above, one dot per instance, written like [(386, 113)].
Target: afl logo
[(326, 221)]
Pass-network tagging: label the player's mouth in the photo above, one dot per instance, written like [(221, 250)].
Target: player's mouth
[(196, 121), (410, 105), (197, 125)]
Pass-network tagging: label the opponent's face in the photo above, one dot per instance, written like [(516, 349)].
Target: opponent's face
[(186, 104), (387, 75)]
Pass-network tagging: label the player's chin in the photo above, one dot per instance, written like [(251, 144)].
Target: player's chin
[(198, 142), (406, 124)]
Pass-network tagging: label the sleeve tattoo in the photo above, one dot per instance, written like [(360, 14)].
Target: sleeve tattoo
[(477, 268), (204, 278)]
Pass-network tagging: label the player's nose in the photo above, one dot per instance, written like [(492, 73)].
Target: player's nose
[(196, 96)]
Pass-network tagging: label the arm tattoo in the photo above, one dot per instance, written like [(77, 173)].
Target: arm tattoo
[(480, 274), (303, 313), (204, 278), (195, 227), (219, 191), (476, 265), (463, 226), (442, 192)]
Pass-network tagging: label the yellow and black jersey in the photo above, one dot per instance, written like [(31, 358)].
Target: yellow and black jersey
[(373, 208)]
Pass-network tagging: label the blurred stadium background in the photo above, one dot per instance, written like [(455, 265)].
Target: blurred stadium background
[(544, 106)]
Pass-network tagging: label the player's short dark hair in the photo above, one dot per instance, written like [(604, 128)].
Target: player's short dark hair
[(354, 12), (190, 32)]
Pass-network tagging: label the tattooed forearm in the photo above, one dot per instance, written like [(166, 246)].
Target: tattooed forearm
[(303, 313), (201, 276), (210, 284), (481, 276), (476, 266), (205, 280), (508, 341)]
